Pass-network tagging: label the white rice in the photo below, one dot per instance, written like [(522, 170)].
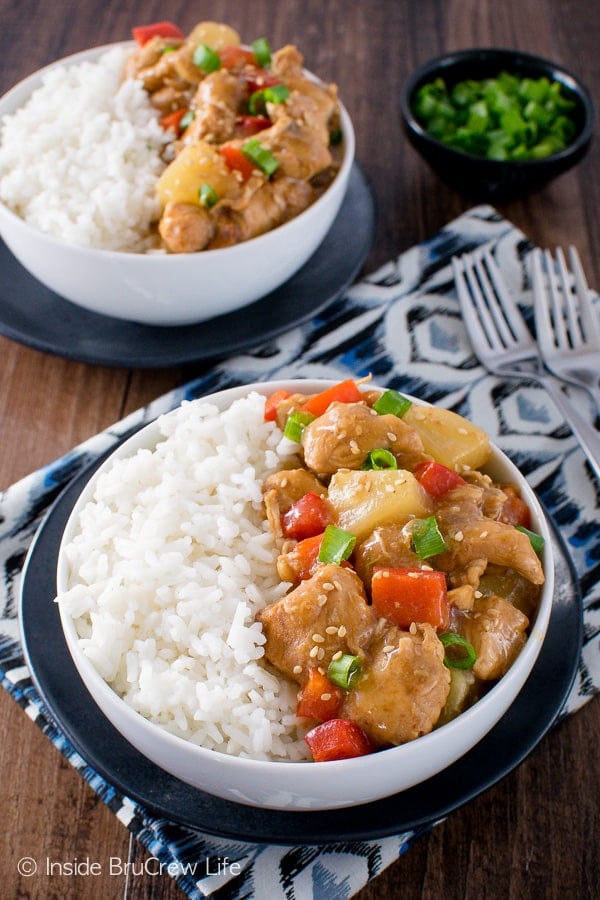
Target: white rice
[(80, 160), (172, 560)]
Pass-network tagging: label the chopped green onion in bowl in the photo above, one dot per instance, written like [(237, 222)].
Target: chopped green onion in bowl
[(505, 118)]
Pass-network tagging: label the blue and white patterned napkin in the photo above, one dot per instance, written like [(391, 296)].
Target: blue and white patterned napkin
[(401, 324)]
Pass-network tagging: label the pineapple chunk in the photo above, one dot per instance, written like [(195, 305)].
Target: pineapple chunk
[(451, 439), (195, 165), (363, 500), (214, 34)]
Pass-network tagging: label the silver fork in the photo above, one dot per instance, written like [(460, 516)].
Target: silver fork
[(504, 344), (568, 330)]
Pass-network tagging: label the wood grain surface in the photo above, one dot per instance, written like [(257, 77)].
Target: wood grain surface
[(536, 833)]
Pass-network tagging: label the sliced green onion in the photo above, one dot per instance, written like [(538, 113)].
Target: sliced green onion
[(188, 118), (469, 657), (426, 537), (207, 195), (206, 58), (260, 156), (256, 103), (276, 93), (344, 672), (391, 402), (262, 51), (336, 546), (536, 540), (295, 425), (380, 458)]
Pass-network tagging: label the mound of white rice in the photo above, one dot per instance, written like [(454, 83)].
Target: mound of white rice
[(172, 560), (80, 160)]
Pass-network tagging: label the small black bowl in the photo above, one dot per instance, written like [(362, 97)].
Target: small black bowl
[(483, 179)]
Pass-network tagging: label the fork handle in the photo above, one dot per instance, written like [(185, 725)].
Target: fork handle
[(585, 433)]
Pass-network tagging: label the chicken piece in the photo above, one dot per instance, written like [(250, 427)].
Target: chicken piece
[(155, 68), (474, 540), (326, 613), (497, 631), (299, 150), (343, 436), (274, 203), (216, 104), (291, 484), (404, 687), (388, 545), (185, 227), (309, 102)]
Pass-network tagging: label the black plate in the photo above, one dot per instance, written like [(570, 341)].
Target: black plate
[(32, 314), (78, 717)]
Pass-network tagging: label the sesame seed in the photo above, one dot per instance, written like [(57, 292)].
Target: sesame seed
[(322, 599), (337, 655), (326, 696), (331, 629), (458, 536), (484, 534), (413, 628), (284, 482), (413, 574), (342, 631), (318, 638), (354, 447), (320, 653), (462, 430), (327, 586), (390, 489), (478, 594), (388, 648), (313, 652), (342, 435), (337, 585), (297, 670), (391, 437), (427, 568), (321, 670)]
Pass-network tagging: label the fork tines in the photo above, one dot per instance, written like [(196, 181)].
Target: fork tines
[(491, 302), (566, 316)]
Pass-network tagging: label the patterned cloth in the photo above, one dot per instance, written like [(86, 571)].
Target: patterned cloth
[(401, 324)]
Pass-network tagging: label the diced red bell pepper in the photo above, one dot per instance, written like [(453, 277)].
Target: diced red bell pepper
[(305, 556), (236, 57), (171, 121), (308, 516), (337, 739), (249, 125), (343, 392), (257, 79), (236, 160), (436, 478), (406, 595), (143, 33), (514, 510), (319, 698), (272, 402)]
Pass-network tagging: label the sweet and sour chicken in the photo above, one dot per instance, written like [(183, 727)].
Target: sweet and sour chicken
[(412, 576), (255, 141)]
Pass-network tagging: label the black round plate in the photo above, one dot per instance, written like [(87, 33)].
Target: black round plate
[(103, 748), (33, 315)]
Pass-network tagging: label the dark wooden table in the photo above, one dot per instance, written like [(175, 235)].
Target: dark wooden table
[(535, 834)]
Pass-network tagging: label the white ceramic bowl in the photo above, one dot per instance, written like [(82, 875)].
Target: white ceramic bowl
[(312, 786), (172, 289)]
